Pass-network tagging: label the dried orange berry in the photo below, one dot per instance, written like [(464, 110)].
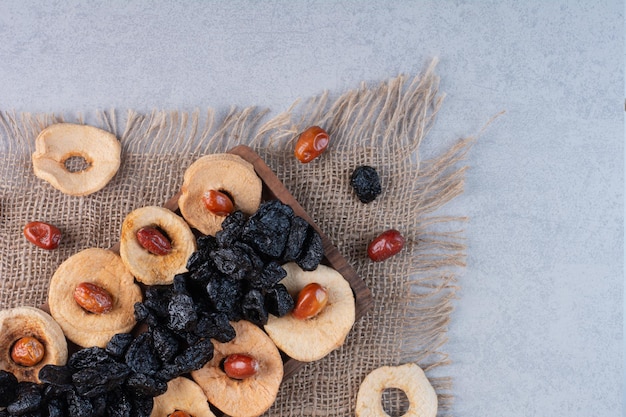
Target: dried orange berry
[(152, 240), (218, 203), (239, 366), (44, 235), (385, 245), (311, 300), (93, 298), (27, 351), (311, 143)]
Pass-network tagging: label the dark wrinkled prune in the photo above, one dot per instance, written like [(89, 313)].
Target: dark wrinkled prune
[(56, 391), (118, 404), (278, 301), (271, 274), (204, 273), (56, 375), (57, 408), (165, 342), (268, 229), (295, 241), (232, 261), (215, 326), (99, 405), (8, 388), (182, 313), (118, 344), (78, 406), (141, 405), (253, 260), (179, 283), (313, 251), (28, 399), (141, 356), (157, 300), (253, 307), (195, 356), (366, 183), (196, 259), (141, 311), (232, 227), (99, 379), (145, 385), (225, 294), (88, 357), (206, 243)]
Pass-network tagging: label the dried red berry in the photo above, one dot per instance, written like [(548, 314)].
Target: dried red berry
[(44, 235), (385, 245), (311, 143), (152, 240), (239, 366)]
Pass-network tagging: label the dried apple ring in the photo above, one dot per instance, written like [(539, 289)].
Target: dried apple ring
[(103, 269), (409, 378), (59, 142), (20, 323), (247, 397), (182, 395), (151, 266), (229, 174)]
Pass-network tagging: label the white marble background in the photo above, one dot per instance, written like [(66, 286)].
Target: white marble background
[(538, 328)]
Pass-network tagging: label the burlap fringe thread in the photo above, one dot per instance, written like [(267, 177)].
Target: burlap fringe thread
[(392, 118)]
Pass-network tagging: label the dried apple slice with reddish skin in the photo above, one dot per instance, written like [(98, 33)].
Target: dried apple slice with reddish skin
[(249, 397), (227, 173), (182, 395), (312, 339), (19, 322), (105, 269), (147, 267)]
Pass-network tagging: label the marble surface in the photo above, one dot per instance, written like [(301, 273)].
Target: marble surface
[(538, 327)]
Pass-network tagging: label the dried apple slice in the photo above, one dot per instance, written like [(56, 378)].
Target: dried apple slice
[(226, 173), (20, 322), (182, 395), (106, 271), (149, 267), (57, 143), (313, 338), (247, 397)]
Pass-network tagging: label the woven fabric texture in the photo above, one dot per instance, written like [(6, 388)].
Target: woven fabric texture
[(381, 126)]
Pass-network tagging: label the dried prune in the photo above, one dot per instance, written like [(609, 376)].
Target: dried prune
[(88, 357), (78, 406), (141, 405), (312, 252), (278, 301), (215, 326), (118, 344), (165, 342), (141, 312), (253, 307), (267, 230), (272, 273), (102, 378), (28, 399), (232, 227), (8, 388), (254, 263), (366, 183), (99, 405), (57, 408), (60, 376), (141, 356), (182, 313), (157, 299), (295, 240), (195, 356), (232, 261), (145, 385), (118, 404), (225, 294)]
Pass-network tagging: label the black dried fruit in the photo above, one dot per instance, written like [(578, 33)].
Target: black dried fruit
[(268, 229), (28, 399), (78, 406), (141, 405), (195, 356), (254, 263), (118, 344), (313, 251), (141, 312), (100, 379), (118, 404), (99, 405), (141, 356), (145, 385), (182, 313), (253, 307), (271, 274), (165, 342), (179, 283), (157, 300), (232, 261), (57, 408), (207, 243), (225, 294), (56, 375), (88, 357), (366, 183), (215, 326), (196, 259), (232, 227), (8, 388), (295, 240), (278, 301)]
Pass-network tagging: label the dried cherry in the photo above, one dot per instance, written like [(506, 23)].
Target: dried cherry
[(311, 143), (386, 245), (42, 234)]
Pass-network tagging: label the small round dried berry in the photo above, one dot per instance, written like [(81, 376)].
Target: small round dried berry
[(218, 203), (93, 298), (239, 366), (311, 301), (44, 235), (27, 351), (385, 245), (311, 143), (152, 240), (366, 183)]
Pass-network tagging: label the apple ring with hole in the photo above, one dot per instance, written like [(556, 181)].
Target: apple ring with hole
[(243, 378), (183, 396), (216, 185), (155, 244), (323, 315), (92, 296), (29, 340), (409, 378), (59, 142)]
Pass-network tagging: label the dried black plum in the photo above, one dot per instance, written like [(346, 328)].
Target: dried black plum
[(232, 261), (253, 307), (88, 357), (215, 326), (254, 263), (141, 405), (8, 388), (57, 408), (313, 251), (268, 229), (141, 312), (165, 342), (118, 404), (182, 313), (28, 399), (157, 300), (145, 385), (196, 259), (206, 243), (278, 301), (225, 294), (118, 344), (366, 183), (78, 406), (195, 356), (295, 240), (179, 283), (99, 379), (232, 227), (271, 274), (60, 376), (141, 356), (99, 405)]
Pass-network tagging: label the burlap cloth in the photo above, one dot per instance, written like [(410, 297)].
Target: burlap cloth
[(381, 126)]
